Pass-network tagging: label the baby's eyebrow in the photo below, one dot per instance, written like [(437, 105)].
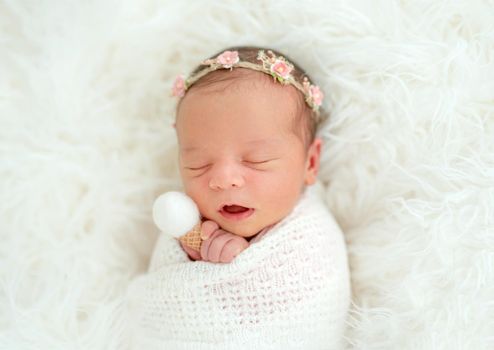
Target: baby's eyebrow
[(264, 142), (258, 143), (189, 149)]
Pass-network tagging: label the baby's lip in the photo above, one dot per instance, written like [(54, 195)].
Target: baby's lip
[(222, 207), (236, 216)]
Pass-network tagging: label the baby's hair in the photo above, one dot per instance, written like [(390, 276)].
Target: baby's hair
[(304, 115)]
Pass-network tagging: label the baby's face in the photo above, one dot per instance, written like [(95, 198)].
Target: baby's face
[(239, 158)]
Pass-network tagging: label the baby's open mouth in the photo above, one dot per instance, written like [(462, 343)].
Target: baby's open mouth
[(234, 208), (236, 212)]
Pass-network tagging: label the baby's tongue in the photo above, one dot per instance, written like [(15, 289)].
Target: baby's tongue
[(235, 208)]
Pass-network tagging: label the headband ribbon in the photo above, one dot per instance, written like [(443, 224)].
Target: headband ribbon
[(267, 62)]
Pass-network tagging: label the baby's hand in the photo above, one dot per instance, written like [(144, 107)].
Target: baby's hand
[(219, 245)]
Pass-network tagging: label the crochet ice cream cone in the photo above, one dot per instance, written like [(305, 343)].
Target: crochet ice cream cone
[(177, 215), (192, 239)]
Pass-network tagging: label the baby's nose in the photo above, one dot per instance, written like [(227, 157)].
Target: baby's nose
[(226, 176)]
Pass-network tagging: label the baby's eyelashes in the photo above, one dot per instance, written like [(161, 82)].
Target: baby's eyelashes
[(258, 164), (198, 171), (198, 168)]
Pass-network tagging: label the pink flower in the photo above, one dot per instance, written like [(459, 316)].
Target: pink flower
[(317, 95), (178, 88), (281, 69), (228, 58)]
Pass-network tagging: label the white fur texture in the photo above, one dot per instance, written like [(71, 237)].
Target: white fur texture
[(87, 144), (175, 213)]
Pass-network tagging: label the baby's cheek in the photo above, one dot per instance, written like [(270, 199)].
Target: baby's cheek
[(266, 182), (198, 191), (195, 190)]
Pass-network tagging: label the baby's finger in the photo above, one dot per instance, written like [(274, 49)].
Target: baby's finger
[(217, 245), (205, 244), (207, 228), (232, 249)]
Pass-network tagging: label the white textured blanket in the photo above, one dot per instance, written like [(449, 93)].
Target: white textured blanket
[(290, 290)]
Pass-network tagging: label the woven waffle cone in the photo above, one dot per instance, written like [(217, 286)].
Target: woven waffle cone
[(192, 239)]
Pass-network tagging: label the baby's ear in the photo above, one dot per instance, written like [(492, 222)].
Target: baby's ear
[(313, 161)]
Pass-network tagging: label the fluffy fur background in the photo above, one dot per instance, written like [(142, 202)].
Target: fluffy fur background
[(86, 145)]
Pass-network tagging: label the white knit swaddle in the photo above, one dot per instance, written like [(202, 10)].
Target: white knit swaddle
[(289, 290)]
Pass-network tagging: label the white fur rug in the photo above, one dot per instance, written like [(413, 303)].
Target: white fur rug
[(86, 145)]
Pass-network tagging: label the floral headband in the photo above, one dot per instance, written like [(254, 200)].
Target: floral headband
[(267, 62)]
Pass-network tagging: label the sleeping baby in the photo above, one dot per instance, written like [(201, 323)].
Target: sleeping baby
[(271, 272)]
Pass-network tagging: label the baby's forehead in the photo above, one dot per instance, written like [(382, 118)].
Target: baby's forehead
[(245, 83), (253, 93)]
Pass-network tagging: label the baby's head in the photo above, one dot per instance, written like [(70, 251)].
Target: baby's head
[(247, 145)]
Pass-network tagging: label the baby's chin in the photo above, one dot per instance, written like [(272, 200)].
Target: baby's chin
[(243, 229)]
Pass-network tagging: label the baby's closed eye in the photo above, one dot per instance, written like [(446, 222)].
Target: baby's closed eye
[(259, 163), (254, 163), (201, 167), (197, 170)]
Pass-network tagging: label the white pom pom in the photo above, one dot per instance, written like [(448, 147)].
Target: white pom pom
[(175, 213)]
